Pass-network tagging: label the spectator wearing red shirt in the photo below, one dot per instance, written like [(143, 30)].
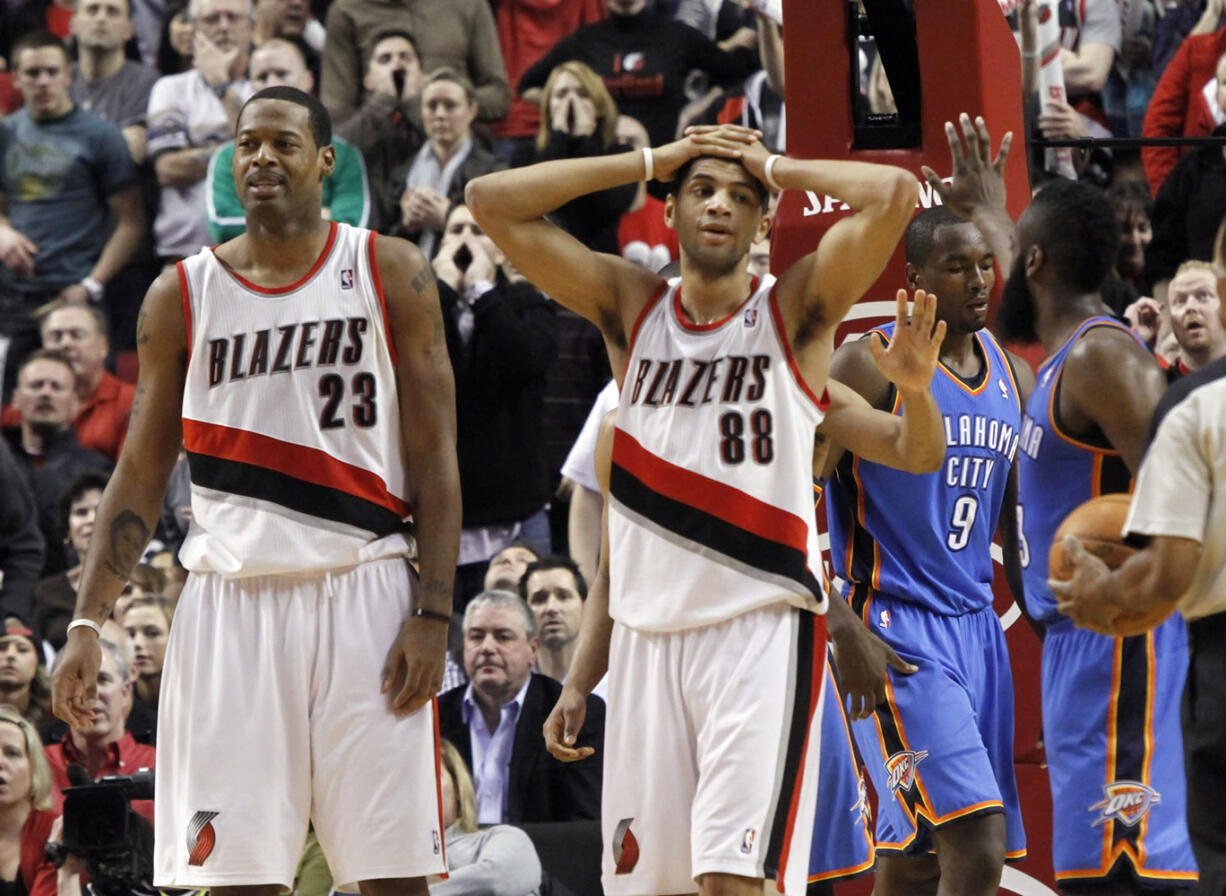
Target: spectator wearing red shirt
[(107, 748), (25, 816), (527, 30), (104, 401), (1180, 106)]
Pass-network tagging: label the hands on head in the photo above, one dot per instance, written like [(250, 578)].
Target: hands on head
[(727, 141)]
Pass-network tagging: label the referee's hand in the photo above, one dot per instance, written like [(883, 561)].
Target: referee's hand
[(74, 688), (564, 724)]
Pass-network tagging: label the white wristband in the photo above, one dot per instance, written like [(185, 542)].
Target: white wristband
[(94, 288), (768, 170), (649, 165), (85, 623)]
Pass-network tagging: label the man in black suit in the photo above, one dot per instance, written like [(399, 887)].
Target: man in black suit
[(495, 722)]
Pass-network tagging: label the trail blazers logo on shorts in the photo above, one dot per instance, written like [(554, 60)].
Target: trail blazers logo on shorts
[(200, 837), (901, 768), (1125, 801), (625, 847)]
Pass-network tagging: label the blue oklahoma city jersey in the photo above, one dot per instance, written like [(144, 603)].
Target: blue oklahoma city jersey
[(1057, 472), (926, 538)]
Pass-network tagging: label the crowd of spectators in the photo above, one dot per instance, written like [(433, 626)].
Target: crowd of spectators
[(115, 148)]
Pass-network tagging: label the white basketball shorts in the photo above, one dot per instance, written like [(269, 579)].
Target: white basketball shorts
[(271, 717), (711, 752)]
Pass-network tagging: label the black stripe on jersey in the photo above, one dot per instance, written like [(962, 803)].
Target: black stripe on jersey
[(1130, 704), (326, 503), (1114, 476), (702, 528), (863, 546), (807, 686), (892, 740)]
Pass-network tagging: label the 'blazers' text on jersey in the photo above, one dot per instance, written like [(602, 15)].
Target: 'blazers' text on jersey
[(290, 416), (710, 513)]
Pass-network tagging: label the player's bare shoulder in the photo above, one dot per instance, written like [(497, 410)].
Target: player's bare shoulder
[(161, 326), (400, 263)]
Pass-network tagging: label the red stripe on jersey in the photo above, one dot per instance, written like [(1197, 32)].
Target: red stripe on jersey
[(378, 284), (308, 464), (185, 293), (820, 403), (708, 495), (638, 321), (282, 290)]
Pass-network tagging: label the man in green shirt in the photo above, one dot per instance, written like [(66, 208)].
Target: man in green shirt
[(346, 195)]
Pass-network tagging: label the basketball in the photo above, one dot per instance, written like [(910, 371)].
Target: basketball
[(1099, 523)]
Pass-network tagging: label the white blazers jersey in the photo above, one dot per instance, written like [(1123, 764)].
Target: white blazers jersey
[(290, 416), (710, 494)]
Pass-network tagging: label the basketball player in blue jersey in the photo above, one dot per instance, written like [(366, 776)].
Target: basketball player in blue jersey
[(303, 365), (843, 843), (1110, 705), (914, 554), (716, 652)]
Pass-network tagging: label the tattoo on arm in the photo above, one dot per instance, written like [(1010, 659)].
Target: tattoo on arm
[(129, 535), (142, 335), (422, 278)]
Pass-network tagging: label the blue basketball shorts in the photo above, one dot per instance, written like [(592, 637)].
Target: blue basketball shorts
[(842, 832), (1115, 754), (940, 749)]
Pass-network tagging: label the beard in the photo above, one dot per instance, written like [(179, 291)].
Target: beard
[(1016, 320)]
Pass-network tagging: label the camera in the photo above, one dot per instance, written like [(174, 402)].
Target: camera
[(101, 828)]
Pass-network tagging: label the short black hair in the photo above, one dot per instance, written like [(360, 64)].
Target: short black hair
[(37, 40), (320, 120), (1078, 230), (674, 187), (921, 235), (553, 561), (384, 34), (87, 481)]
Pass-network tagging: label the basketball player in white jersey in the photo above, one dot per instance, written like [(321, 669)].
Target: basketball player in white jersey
[(303, 366), (716, 655)]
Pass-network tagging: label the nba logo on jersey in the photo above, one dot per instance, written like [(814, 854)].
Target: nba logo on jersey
[(751, 317), (347, 278), (1125, 801), (901, 768), (747, 840), (1004, 390)]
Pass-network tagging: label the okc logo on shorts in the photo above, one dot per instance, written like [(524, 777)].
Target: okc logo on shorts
[(1125, 801), (901, 768), (751, 317), (347, 278), (200, 837), (625, 847)]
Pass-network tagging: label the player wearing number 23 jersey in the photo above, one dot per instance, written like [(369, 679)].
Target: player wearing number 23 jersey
[(914, 552)]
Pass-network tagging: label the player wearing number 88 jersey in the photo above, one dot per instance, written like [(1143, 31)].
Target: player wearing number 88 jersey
[(749, 419), (318, 484), (914, 552)]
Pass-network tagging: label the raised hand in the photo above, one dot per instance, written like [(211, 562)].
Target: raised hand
[(911, 358), (978, 180)]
